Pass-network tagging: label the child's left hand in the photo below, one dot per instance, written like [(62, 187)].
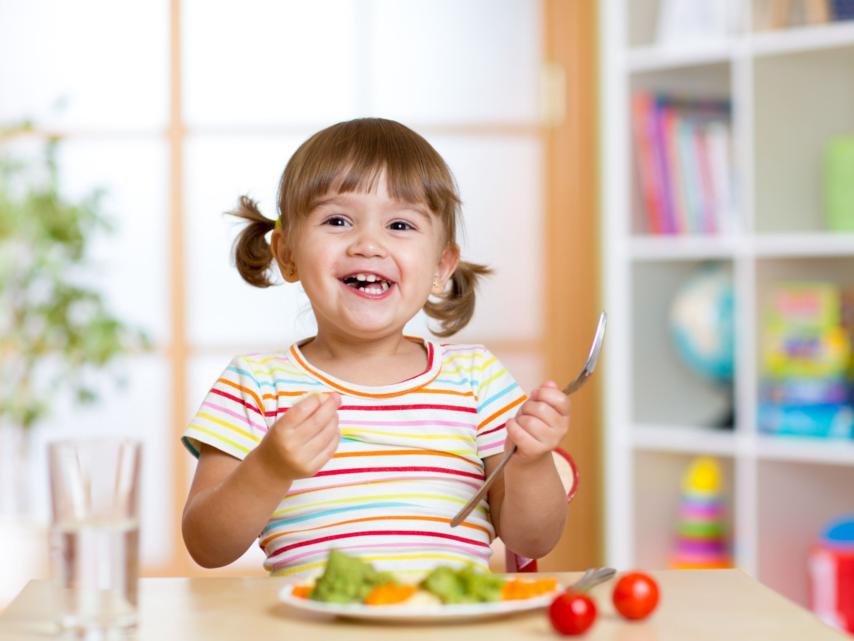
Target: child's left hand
[(541, 423)]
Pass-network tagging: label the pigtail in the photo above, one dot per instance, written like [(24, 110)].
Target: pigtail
[(455, 307), (252, 253)]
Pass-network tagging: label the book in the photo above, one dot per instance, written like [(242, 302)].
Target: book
[(684, 163), (665, 173), (678, 195), (708, 196), (652, 191), (822, 421)]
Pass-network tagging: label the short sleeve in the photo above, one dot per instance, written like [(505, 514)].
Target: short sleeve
[(498, 397), (232, 416)]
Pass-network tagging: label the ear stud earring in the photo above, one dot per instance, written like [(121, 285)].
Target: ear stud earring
[(291, 273)]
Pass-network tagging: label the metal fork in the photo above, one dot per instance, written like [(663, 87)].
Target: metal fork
[(582, 377), (592, 577)]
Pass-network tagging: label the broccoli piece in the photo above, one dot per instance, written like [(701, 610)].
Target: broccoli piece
[(347, 579), (465, 585)]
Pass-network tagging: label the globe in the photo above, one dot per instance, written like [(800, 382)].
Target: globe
[(702, 326)]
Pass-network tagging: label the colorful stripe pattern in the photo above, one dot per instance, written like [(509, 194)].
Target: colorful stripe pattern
[(410, 455)]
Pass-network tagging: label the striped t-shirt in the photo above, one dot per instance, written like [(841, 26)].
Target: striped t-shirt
[(410, 455)]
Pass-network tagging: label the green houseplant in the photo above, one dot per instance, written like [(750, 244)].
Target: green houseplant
[(55, 330)]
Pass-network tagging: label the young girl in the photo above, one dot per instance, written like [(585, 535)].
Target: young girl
[(361, 438)]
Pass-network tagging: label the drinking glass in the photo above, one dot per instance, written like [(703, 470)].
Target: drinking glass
[(94, 491)]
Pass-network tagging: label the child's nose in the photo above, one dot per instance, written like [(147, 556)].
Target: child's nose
[(368, 244)]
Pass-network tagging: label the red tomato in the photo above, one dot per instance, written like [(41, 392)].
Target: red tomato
[(635, 595), (572, 613)]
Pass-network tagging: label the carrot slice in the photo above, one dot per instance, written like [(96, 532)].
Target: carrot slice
[(302, 591), (389, 593), (522, 589)]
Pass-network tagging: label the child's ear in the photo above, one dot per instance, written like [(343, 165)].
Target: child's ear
[(284, 258), (448, 262)]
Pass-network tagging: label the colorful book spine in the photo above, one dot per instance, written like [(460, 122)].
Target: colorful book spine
[(690, 177), (665, 171), (643, 123), (684, 163), (707, 185), (678, 194)]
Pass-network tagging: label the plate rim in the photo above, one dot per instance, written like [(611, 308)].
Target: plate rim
[(438, 612)]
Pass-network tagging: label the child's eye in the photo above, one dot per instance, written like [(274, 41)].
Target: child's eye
[(401, 225), (336, 221)]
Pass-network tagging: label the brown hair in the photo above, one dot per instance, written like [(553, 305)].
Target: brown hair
[(351, 156)]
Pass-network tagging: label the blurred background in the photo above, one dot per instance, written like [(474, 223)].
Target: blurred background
[(685, 166), (173, 108)]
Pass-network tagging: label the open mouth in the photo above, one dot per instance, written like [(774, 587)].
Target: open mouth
[(368, 282)]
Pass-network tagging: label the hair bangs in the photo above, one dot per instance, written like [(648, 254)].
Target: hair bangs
[(352, 156)]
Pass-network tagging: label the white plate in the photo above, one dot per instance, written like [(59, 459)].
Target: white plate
[(433, 613)]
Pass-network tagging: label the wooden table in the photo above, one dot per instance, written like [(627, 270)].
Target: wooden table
[(695, 605)]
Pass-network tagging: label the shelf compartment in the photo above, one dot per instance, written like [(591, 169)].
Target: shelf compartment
[(802, 39), (664, 390), (657, 493), (643, 17), (773, 271), (801, 101), (652, 248), (698, 84), (656, 58), (795, 501), (685, 439), (806, 450), (816, 244), (695, 81)]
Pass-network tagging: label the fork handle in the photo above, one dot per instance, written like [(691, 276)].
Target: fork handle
[(578, 382), (477, 498), (592, 578)]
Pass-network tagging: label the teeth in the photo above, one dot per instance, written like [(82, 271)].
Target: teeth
[(371, 278), (380, 288), (378, 285)]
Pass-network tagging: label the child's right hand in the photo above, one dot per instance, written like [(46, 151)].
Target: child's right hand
[(304, 439)]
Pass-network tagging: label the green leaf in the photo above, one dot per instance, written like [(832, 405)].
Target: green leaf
[(46, 313)]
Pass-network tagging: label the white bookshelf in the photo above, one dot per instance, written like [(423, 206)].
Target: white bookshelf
[(790, 90)]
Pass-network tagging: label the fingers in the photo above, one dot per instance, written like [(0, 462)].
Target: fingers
[(519, 436), (542, 420), (309, 425), (307, 435), (321, 446), (304, 408), (321, 427), (540, 410), (327, 443), (550, 394)]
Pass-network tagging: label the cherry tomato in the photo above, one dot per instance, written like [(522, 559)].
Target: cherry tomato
[(572, 613), (635, 595)]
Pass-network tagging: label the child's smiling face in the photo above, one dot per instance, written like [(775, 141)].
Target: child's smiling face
[(367, 261)]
